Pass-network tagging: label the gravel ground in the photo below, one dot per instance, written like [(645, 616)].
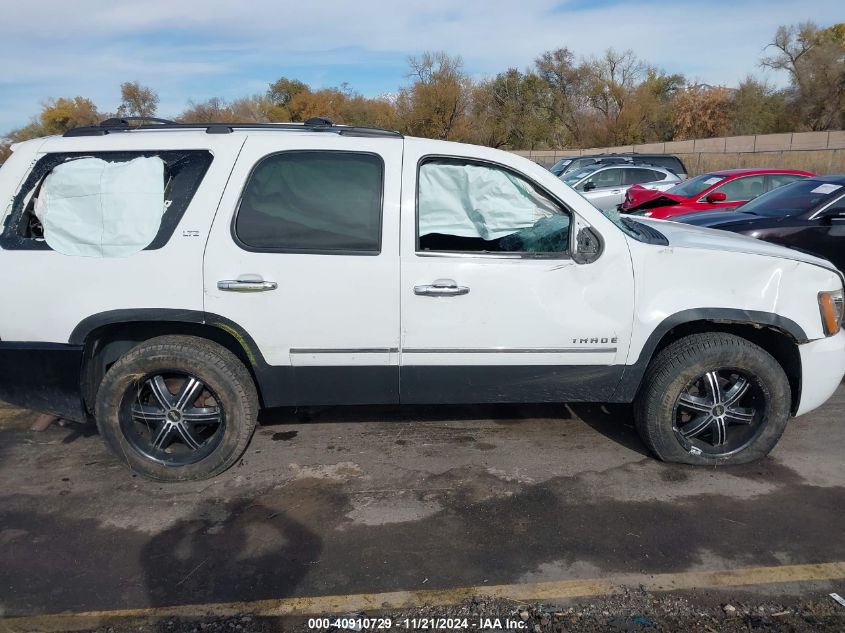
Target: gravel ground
[(630, 611)]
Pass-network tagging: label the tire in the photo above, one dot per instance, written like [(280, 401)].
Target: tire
[(177, 408), (677, 396)]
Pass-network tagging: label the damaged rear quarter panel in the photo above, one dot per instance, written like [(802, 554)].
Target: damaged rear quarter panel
[(63, 290)]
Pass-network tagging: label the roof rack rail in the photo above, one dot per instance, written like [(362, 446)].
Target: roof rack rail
[(124, 121), (314, 124)]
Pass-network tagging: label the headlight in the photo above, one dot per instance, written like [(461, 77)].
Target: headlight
[(832, 307)]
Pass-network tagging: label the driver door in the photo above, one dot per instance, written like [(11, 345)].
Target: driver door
[(493, 307)]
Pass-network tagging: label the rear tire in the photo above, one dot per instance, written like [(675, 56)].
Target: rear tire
[(712, 399), (177, 408)]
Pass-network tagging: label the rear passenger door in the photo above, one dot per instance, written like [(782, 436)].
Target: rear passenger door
[(608, 191), (303, 259)]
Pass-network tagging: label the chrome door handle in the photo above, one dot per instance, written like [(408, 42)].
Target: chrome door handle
[(441, 288), (616, 191), (246, 284)]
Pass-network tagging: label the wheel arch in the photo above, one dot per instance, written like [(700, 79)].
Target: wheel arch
[(105, 337), (777, 335)]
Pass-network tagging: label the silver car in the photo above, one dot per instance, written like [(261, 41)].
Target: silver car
[(605, 185)]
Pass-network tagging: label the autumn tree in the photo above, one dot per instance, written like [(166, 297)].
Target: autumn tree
[(280, 93), (759, 108), (60, 115), (511, 110), (436, 103), (610, 83), (566, 96), (137, 100), (649, 111), (254, 109), (814, 58), (702, 111), (214, 110)]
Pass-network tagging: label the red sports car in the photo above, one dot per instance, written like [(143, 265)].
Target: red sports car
[(722, 190)]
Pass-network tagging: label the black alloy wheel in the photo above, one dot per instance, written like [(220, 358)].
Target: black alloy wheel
[(719, 413), (172, 418)]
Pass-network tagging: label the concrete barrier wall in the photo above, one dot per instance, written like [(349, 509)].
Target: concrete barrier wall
[(818, 152)]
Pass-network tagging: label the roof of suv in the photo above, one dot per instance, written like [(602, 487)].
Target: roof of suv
[(315, 124)]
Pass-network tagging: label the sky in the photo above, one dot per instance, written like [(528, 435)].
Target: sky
[(197, 49)]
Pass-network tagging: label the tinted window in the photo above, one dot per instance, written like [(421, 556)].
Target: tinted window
[(638, 175), (313, 202), (695, 186), (578, 163), (777, 180), (612, 161), (740, 189), (559, 166), (795, 198), (669, 162), (465, 206), (604, 178)]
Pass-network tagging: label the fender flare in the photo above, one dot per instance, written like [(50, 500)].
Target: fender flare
[(633, 374)]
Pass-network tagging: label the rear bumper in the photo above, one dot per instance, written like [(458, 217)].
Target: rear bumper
[(822, 369), (43, 377)]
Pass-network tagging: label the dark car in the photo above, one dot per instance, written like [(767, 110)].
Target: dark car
[(667, 161), (807, 215)]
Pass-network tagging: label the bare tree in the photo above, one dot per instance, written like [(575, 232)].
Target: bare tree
[(814, 58)]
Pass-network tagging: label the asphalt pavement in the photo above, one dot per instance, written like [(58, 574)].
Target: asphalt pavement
[(363, 500)]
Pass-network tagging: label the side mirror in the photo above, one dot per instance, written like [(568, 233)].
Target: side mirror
[(716, 196), (588, 246), (589, 185)]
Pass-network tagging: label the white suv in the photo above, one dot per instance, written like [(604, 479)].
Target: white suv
[(170, 280)]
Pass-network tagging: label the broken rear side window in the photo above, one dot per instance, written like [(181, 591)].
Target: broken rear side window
[(104, 204)]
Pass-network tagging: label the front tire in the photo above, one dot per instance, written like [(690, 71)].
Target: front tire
[(713, 399), (177, 408)]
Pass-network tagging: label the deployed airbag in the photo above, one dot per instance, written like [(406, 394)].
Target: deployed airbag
[(476, 201), (93, 208)]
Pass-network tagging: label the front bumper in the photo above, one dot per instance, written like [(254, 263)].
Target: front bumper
[(822, 369)]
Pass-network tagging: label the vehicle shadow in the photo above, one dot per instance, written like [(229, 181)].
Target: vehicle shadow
[(75, 430), (614, 421), (499, 413), (237, 551)]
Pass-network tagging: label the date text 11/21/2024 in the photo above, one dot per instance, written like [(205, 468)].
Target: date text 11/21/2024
[(360, 624)]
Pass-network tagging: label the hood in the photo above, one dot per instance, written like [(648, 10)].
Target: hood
[(715, 219), (687, 236), (639, 197)]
